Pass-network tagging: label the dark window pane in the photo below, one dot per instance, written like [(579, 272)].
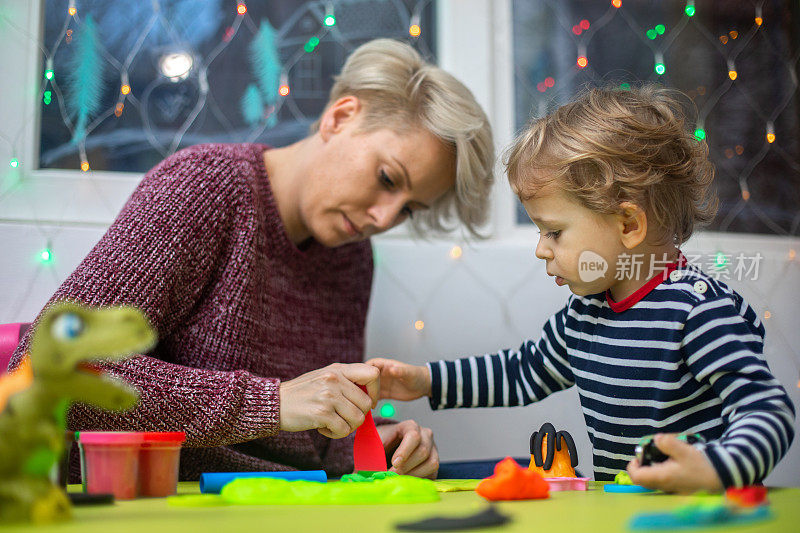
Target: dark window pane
[(198, 72), (736, 59)]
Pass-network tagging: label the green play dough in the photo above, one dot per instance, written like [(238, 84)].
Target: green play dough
[(271, 491), (366, 475), (622, 478)]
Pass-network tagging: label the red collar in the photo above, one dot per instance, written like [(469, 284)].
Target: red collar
[(645, 289)]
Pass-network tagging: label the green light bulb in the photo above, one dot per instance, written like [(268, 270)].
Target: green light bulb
[(625, 86), (46, 255), (700, 134), (689, 11), (660, 29), (660, 68), (330, 20), (387, 410), (721, 260), (14, 163), (49, 74), (651, 34)]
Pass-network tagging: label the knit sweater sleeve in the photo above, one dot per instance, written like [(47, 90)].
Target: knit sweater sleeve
[(163, 254), (509, 377), (724, 353)]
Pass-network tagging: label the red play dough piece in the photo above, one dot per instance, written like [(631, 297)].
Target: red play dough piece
[(750, 496), (513, 482), (368, 452)]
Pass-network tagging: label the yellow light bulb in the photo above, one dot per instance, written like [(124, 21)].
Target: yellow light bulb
[(72, 11), (732, 74), (414, 30), (419, 325), (85, 166), (125, 89), (770, 138), (455, 252), (767, 315)]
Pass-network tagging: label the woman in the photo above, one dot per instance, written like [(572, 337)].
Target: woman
[(254, 266)]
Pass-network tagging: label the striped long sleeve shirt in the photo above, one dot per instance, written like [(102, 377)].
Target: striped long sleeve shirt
[(683, 354)]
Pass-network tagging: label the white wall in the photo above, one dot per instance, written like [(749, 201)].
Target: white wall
[(494, 296)]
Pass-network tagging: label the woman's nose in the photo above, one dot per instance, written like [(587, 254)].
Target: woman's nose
[(385, 214)]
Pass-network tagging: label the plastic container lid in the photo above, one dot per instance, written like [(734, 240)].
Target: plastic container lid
[(119, 438), (176, 437)]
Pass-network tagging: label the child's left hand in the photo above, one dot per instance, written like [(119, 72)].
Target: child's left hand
[(413, 451), (687, 469)]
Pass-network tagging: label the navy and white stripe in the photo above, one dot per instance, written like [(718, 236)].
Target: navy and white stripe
[(676, 361)]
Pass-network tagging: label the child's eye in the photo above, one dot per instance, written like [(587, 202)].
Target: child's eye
[(551, 234), (385, 180)]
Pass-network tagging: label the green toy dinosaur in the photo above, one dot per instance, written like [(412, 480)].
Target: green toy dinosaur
[(33, 422)]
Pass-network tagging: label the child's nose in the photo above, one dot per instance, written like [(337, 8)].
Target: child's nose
[(542, 250)]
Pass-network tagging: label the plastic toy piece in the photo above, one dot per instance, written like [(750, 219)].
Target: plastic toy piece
[(368, 452), (698, 516), (557, 484), (512, 482), (623, 483), (272, 491), (34, 419), (750, 496), (487, 518), (648, 453), (212, 482), (110, 462)]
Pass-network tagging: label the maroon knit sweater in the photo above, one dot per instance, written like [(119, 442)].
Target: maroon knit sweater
[(200, 248)]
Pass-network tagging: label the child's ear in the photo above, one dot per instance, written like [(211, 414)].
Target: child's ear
[(632, 222), (338, 115)]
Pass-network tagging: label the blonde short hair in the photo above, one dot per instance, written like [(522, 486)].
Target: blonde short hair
[(610, 146), (402, 91)]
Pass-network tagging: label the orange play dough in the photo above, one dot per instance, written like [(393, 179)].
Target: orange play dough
[(562, 464), (512, 482)]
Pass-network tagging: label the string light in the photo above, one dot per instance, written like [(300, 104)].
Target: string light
[(330, 17), (241, 8), (721, 260), (745, 195), (759, 21), (582, 62), (689, 9), (85, 166), (14, 163), (456, 252), (792, 254), (118, 109), (549, 82), (651, 34), (414, 29), (767, 315), (659, 67), (49, 74), (72, 10), (700, 134), (770, 132), (311, 44), (387, 410), (46, 255), (125, 89), (660, 29), (283, 89), (616, 3), (625, 86), (732, 74), (419, 325)]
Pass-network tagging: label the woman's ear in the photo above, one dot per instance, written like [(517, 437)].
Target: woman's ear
[(339, 115), (632, 221)]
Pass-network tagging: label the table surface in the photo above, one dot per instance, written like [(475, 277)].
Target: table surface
[(592, 511)]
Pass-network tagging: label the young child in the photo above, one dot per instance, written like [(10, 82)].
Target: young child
[(615, 182)]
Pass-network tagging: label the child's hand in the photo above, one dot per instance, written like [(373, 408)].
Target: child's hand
[(687, 469), (412, 449), (401, 381)]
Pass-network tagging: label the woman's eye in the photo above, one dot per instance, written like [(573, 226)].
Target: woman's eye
[(553, 234), (407, 211), (386, 181), (67, 326)]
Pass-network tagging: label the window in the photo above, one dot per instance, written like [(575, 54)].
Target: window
[(736, 60), (121, 97)]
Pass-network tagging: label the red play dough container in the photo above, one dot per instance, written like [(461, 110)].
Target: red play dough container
[(158, 463), (110, 462)]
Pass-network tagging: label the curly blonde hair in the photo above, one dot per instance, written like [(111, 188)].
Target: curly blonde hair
[(610, 146), (401, 91)]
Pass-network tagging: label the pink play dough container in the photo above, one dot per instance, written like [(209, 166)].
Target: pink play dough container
[(110, 462), (566, 483), (158, 463)]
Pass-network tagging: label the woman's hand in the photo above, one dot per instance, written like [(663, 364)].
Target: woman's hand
[(328, 399), (687, 469), (412, 449), (401, 381)]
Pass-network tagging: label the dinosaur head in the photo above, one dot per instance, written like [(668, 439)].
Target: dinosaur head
[(68, 334)]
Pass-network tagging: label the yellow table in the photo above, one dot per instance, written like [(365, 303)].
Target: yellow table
[(592, 511)]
